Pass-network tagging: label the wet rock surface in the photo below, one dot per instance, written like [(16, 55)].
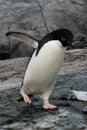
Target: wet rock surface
[(37, 18), (15, 114)]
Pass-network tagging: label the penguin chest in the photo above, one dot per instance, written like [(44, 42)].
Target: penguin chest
[(43, 68)]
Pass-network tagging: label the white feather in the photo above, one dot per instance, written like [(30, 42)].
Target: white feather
[(42, 70)]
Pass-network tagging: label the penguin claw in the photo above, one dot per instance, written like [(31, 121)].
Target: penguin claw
[(49, 106), (27, 98)]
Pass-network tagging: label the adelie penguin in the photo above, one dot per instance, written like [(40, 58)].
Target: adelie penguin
[(45, 63)]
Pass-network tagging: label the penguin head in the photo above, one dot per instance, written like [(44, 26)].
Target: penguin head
[(65, 36)]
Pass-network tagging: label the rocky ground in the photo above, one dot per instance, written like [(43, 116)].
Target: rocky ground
[(16, 115)]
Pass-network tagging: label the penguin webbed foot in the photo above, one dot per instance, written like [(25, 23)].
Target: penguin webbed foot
[(26, 98), (47, 105)]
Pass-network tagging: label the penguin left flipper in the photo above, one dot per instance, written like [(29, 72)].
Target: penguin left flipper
[(24, 37)]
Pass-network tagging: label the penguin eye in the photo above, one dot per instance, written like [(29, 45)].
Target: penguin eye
[(63, 39)]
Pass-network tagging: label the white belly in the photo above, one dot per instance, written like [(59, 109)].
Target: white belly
[(43, 68)]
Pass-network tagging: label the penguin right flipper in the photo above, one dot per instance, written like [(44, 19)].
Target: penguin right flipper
[(24, 37)]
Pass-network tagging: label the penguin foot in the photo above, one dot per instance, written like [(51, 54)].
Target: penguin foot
[(46, 105), (26, 98)]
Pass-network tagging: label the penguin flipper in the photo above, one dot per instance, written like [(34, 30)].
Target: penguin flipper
[(24, 37)]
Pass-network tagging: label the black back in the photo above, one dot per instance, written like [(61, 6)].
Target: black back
[(65, 36)]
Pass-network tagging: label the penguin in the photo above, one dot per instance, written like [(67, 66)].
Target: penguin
[(44, 64)]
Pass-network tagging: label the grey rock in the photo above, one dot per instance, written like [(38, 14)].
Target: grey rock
[(85, 109), (20, 49), (80, 41), (62, 119)]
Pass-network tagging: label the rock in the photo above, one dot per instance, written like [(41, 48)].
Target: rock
[(85, 109), (65, 119), (80, 95), (80, 41), (15, 114), (37, 18), (20, 49)]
